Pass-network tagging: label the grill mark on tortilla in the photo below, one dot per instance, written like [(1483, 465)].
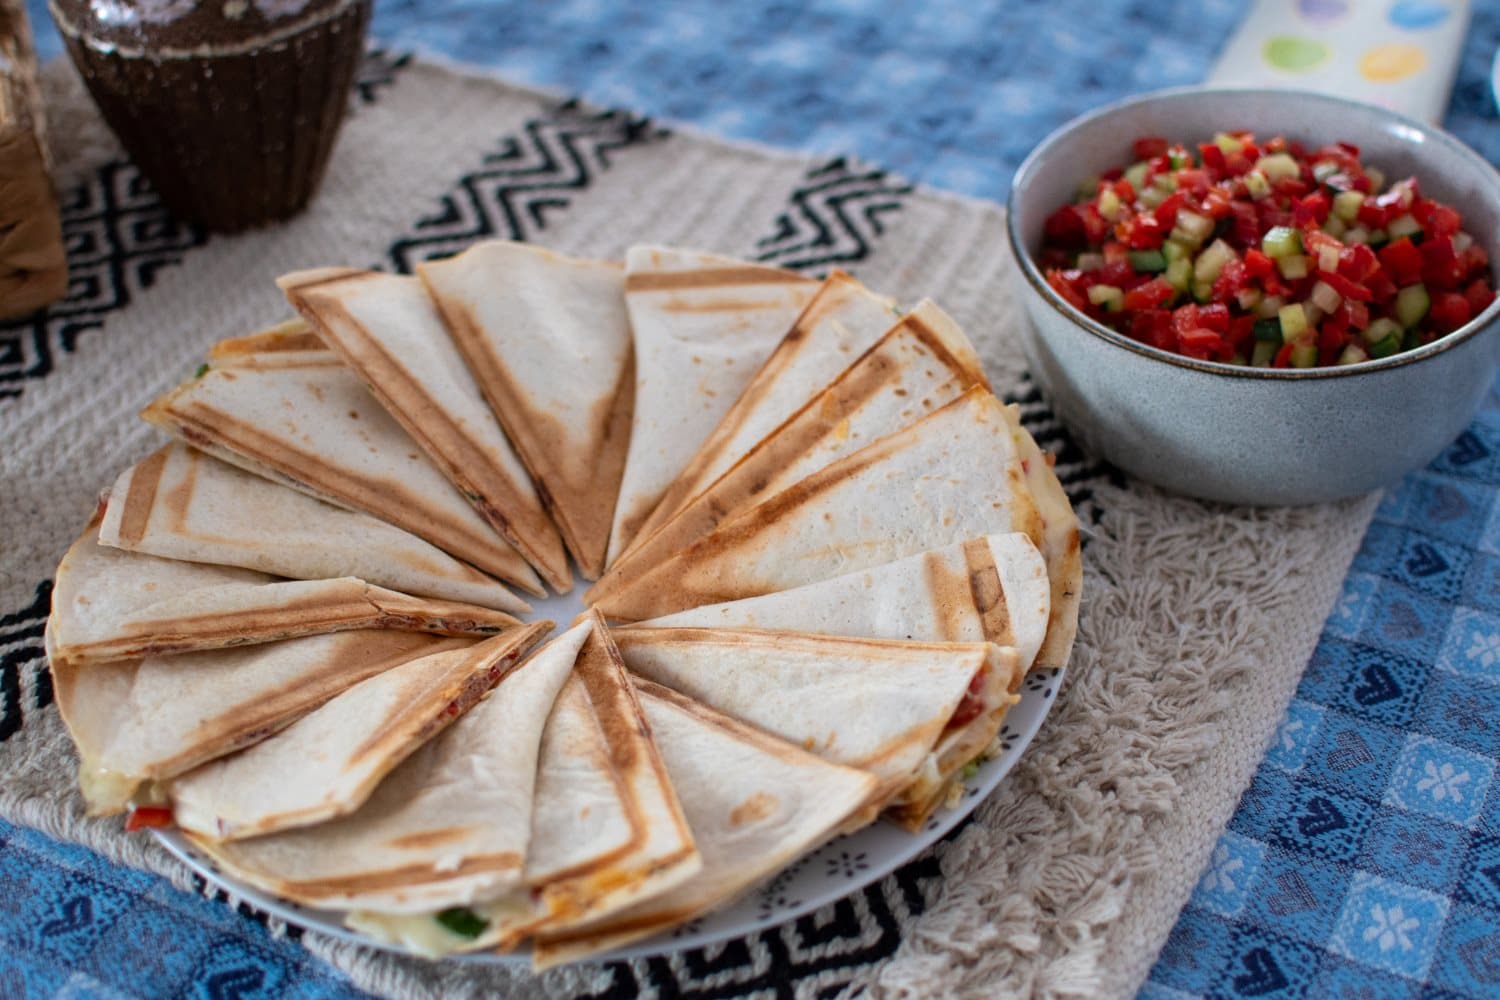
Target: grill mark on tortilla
[(987, 593), (500, 502), (179, 498), (141, 496), (403, 876), (711, 277), (423, 839), (291, 335)]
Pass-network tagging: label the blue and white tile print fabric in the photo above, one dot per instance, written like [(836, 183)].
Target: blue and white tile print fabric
[(1364, 860)]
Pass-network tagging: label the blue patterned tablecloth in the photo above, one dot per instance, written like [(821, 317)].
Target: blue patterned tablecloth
[(1365, 858)]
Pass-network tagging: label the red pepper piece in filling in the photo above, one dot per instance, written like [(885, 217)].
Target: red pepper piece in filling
[(143, 817)]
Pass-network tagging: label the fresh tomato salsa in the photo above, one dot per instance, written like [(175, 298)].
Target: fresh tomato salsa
[(1265, 254)]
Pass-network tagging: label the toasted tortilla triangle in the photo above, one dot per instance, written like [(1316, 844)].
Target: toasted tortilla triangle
[(990, 589), (920, 364), (304, 419), (606, 831), (951, 476), (327, 763), (839, 323), (701, 325), (753, 801), (110, 604), (180, 503), (160, 716), (548, 339), (387, 329), (450, 825)]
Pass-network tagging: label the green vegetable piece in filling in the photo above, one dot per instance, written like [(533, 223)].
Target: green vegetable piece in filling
[(202, 370), (462, 921)]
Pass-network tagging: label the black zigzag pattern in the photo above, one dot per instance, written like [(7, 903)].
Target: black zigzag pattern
[(535, 173), (25, 684), (118, 237), (834, 217)]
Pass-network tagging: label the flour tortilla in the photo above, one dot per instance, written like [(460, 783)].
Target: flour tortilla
[(160, 716), (548, 339), (606, 830), (920, 364), (841, 321), (753, 801), (387, 329), (881, 705), (109, 604), (951, 476), (989, 589), (180, 503), (449, 826), (327, 763), (304, 419), (701, 325)]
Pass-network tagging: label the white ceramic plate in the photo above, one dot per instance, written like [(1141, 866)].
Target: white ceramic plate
[(838, 868)]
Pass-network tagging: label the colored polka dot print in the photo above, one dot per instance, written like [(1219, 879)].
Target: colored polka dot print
[(1389, 63), (1294, 54), (1322, 10), (1414, 15)]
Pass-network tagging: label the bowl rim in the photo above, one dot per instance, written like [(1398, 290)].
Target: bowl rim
[(1034, 277)]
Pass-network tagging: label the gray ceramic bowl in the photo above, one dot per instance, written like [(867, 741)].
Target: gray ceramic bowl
[(1243, 435)]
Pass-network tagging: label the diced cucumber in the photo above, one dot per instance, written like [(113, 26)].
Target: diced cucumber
[(1211, 261), (1377, 179), (1328, 258), (1249, 298), (1256, 184), (1165, 182), (1203, 292), (1304, 355), (1335, 226), (1293, 321), (1173, 250), (1353, 354), (1324, 169), (1412, 303), (1152, 196), (1264, 353), (1278, 166), (1192, 228), (1090, 261), (1293, 267), (1108, 296), (1179, 273), (1325, 297), (1148, 261), (1380, 329), (1403, 225), (1346, 204), (1386, 347), (1270, 306), (1356, 234), (1227, 143), (1087, 188), (1281, 241), (1268, 330), (1110, 205), (1136, 175), (1179, 158)]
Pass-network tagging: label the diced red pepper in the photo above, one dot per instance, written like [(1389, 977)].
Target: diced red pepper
[(142, 817), (1064, 286), (1232, 278), (1258, 264), (1144, 233), (1204, 344), (1312, 210), (1153, 293), (1450, 310), (1283, 356), (1435, 218), (1357, 262), (1212, 156), (1166, 212), (1441, 267), (1149, 147), (1064, 228), (1348, 289), (1215, 317), (1479, 295)]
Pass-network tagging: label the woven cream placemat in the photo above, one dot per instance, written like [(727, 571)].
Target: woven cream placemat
[(1197, 620)]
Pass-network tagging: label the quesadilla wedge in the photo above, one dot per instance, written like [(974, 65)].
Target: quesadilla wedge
[(450, 825), (110, 604), (606, 830), (548, 339), (920, 364), (753, 801), (151, 719), (304, 419), (841, 321), (953, 475), (386, 328), (179, 503), (990, 589), (905, 711), (1058, 541), (327, 763), (701, 325)]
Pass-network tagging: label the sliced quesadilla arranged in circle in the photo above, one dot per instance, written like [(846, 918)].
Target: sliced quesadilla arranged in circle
[(447, 827), (701, 325), (135, 721), (304, 419), (989, 589), (111, 604), (180, 503), (754, 802), (548, 340), (953, 475), (841, 321), (387, 329), (922, 363), (911, 713), (327, 763), (606, 828)]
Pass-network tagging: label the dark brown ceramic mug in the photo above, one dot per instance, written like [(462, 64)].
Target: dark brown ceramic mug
[(229, 107)]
